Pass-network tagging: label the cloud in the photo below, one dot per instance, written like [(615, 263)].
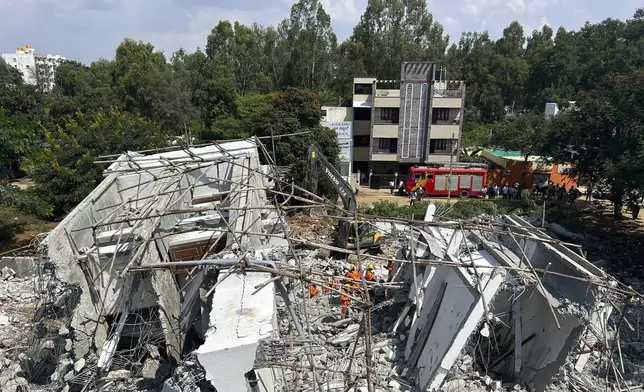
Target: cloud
[(517, 6), (470, 8), (342, 10), (85, 30), (539, 6)]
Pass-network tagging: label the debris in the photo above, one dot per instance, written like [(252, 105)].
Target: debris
[(179, 270), (7, 273)]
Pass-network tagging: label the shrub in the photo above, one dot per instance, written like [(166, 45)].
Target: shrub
[(27, 201), (11, 223)]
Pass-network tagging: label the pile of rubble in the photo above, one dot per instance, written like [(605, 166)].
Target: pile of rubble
[(178, 274)]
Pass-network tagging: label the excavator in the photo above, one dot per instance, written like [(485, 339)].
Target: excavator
[(369, 238)]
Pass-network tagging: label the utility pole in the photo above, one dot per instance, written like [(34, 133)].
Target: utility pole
[(449, 178)]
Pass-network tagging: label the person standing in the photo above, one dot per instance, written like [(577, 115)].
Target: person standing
[(589, 191), (345, 301), (313, 290), (390, 270), (412, 198), (369, 275), (392, 184)]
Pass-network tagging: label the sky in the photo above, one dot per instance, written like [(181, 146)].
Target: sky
[(85, 30)]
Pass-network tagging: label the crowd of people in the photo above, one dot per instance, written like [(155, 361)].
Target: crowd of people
[(548, 190), (507, 192)]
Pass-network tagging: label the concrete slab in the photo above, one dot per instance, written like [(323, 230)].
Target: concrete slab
[(238, 320)]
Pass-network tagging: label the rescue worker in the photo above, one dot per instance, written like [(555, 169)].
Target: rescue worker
[(390, 270), (345, 301), (313, 290), (370, 276), (326, 288), (353, 274)]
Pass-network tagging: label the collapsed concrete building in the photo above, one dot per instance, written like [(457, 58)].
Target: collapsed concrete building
[(179, 272)]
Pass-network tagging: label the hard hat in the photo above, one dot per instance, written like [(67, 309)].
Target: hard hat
[(347, 285), (371, 266), (352, 266)]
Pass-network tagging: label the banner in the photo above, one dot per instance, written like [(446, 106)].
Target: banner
[(344, 131)]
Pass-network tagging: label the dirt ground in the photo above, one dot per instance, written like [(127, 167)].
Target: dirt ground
[(368, 196), (615, 245)]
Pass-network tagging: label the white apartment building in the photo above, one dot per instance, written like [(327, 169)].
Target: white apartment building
[(37, 69)]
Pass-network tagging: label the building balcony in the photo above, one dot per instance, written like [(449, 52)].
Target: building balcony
[(362, 100), (385, 130), (387, 102), (440, 158), (444, 131), (387, 155), (448, 93), (387, 93), (447, 102)]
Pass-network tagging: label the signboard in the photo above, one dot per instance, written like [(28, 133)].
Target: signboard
[(344, 131)]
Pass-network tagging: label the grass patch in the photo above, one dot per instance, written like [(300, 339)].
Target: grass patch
[(462, 209)]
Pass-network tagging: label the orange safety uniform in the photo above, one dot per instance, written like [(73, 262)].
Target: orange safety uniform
[(313, 290), (345, 301), (370, 276), (356, 276), (390, 269)]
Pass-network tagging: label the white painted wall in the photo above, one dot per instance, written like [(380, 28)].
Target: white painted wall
[(335, 113), (23, 61), (238, 320)]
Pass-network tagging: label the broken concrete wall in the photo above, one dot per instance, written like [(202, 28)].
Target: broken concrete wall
[(545, 346), (62, 245), (250, 220), (456, 307), (21, 266), (238, 321)]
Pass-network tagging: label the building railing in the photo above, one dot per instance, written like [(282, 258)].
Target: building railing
[(448, 93), (455, 121), (377, 121), (387, 94), (390, 150)]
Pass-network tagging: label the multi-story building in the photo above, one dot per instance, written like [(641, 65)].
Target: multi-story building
[(37, 69), (412, 121)]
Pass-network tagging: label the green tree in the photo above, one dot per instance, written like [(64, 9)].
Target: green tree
[(144, 84), (64, 169), (17, 137), (287, 112), (309, 42), (393, 31), (603, 135), (349, 60)]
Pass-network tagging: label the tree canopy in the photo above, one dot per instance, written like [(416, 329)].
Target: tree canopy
[(271, 80)]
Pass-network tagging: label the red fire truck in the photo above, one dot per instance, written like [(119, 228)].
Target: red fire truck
[(464, 182)]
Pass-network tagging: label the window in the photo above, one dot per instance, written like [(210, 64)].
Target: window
[(387, 145), (361, 141), (362, 89), (362, 114), (440, 146), (323, 113), (390, 114), (440, 114)]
